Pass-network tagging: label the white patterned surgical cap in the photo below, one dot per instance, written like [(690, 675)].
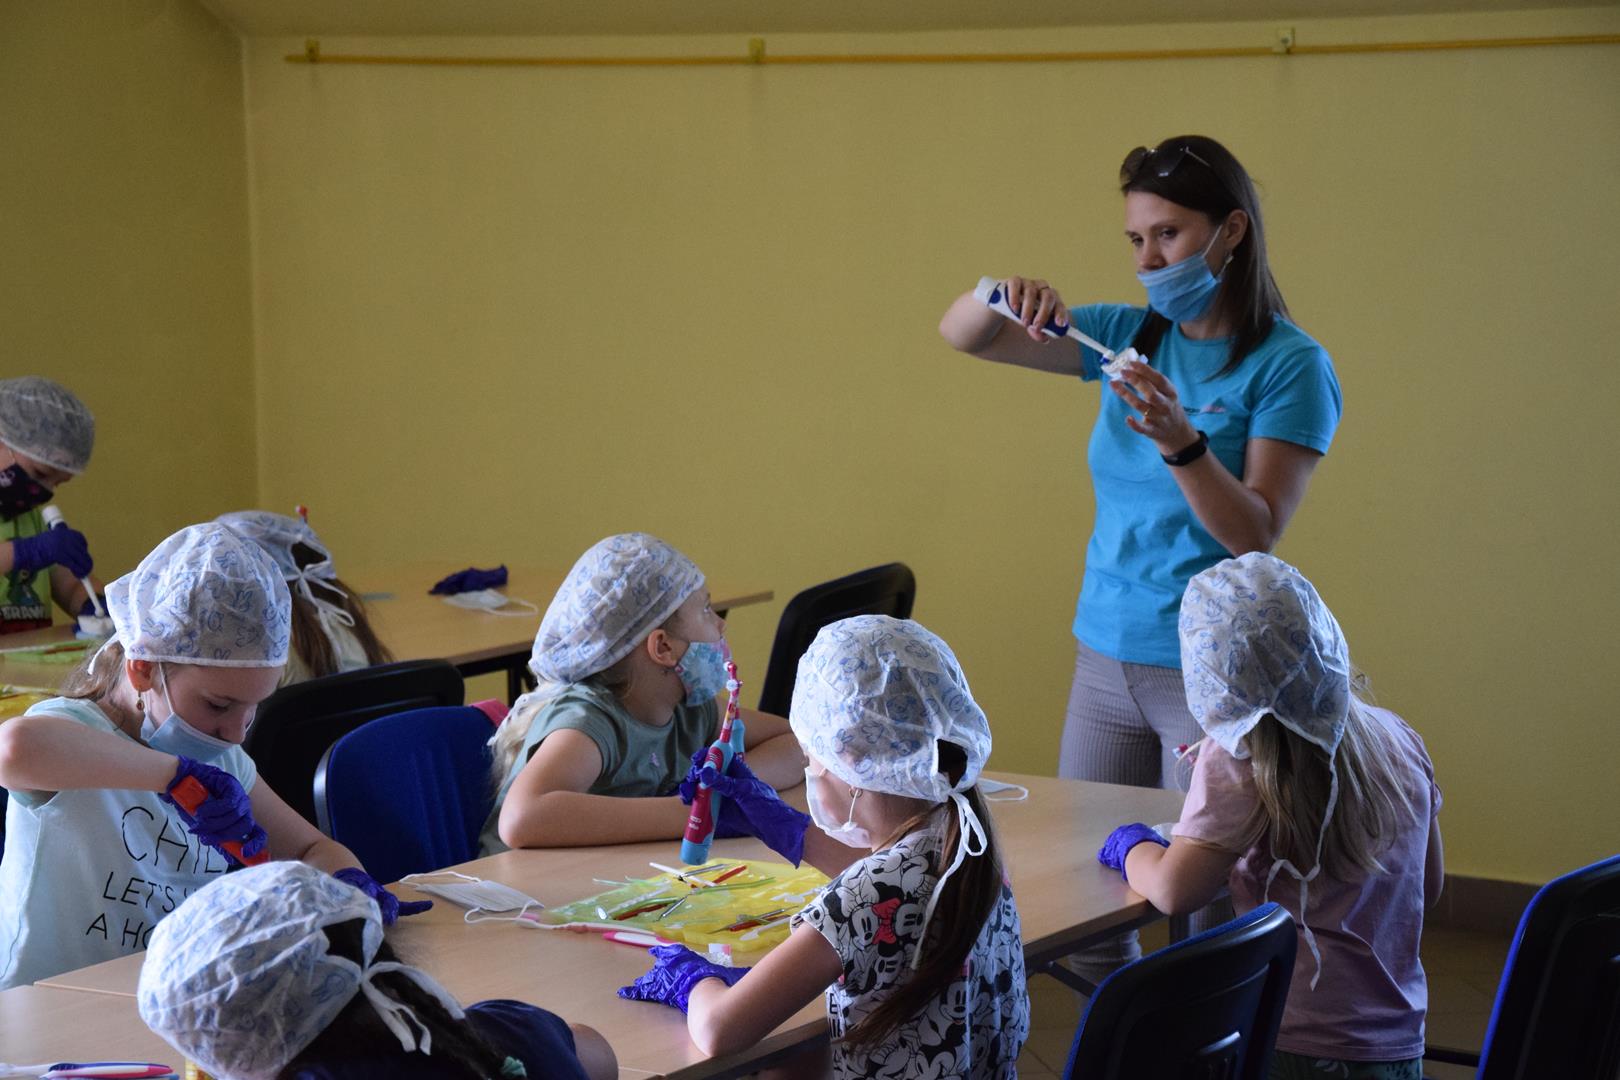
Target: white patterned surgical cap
[(208, 596), (619, 591), (45, 421), (1256, 639), (239, 977), (873, 697)]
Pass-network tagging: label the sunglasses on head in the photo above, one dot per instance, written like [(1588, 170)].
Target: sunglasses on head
[(1160, 163)]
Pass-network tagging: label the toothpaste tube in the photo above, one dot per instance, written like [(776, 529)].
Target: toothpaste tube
[(993, 295)]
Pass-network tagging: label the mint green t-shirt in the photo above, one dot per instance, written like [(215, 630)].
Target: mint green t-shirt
[(25, 595), (637, 759)]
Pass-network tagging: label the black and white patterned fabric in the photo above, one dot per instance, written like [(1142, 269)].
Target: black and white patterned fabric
[(872, 915)]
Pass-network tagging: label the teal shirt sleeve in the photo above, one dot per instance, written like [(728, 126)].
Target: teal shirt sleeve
[(1299, 400)]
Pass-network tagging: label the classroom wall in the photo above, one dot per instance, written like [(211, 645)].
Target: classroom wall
[(504, 312), (124, 255)]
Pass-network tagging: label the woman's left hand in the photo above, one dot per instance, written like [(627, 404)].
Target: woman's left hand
[(1163, 419)]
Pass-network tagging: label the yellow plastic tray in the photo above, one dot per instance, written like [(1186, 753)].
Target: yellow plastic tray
[(767, 895)]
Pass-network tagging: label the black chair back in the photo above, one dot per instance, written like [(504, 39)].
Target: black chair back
[(1207, 1008), (296, 724), (1558, 1006), (882, 590)]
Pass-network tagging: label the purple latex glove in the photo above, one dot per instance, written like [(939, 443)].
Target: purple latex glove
[(60, 546), (676, 969), (391, 906), (1121, 840), (470, 580), (753, 808), (725, 828), (227, 813)]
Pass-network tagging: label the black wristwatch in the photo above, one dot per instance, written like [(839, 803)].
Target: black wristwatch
[(1190, 454)]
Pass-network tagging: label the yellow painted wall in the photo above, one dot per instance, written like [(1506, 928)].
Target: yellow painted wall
[(501, 313), (124, 255)]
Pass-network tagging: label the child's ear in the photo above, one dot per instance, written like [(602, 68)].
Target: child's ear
[(142, 674), (661, 647)]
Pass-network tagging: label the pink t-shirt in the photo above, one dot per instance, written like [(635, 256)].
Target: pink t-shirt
[(1371, 999)]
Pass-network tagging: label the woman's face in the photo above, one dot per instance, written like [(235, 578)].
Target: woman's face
[(216, 701), (1162, 232)]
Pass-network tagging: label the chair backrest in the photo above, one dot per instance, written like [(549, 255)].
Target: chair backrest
[(882, 590), (1558, 1005), (408, 793), (1206, 1008), (296, 724)]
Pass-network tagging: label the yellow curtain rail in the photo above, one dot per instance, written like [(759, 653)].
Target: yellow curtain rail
[(756, 54)]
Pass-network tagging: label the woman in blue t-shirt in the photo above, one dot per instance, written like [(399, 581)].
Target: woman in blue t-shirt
[(1200, 453)]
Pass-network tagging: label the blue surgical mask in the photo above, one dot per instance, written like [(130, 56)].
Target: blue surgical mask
[(175, 736), (702, 671), (1183, 290)]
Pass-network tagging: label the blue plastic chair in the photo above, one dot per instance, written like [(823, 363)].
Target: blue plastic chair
[(410, 792), (1558, 1005), (1208, 1007)]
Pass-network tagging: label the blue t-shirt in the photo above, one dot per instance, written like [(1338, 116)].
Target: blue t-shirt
[(1147, 543)]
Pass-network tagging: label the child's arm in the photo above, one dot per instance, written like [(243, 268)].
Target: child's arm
[(723, 1019), (43, 754), (548, 805), (773, 749), (1180, 878), (292, 837)]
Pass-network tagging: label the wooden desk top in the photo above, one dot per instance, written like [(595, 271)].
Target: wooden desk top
[(419, 626), (41, 1024), (16, 670), (1050, 843)]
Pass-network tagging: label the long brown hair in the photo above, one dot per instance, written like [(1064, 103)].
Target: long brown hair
[(965, 902), (1292, 779), (1209, 179), (357, 1034), (309, 640)]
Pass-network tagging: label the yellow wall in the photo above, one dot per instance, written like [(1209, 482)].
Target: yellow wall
[(501, 313), (124, 255)]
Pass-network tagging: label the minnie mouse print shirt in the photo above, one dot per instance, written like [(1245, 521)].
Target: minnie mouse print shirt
[(871, 914)]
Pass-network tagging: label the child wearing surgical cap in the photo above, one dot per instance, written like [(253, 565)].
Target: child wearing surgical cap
[(282, 971), (99, 848), (916, 943), (330, 629), (629, 661), (46, 435), (1298, 775)]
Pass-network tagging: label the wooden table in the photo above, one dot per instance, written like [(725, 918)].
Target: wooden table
[(20, 670), (44, 1024), (414, 624), (1065, 900)]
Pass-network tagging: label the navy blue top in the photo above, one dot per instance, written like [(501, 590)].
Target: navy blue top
[(539, 1039)]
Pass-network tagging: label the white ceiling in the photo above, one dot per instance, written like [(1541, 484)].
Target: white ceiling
[(408, 18)]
